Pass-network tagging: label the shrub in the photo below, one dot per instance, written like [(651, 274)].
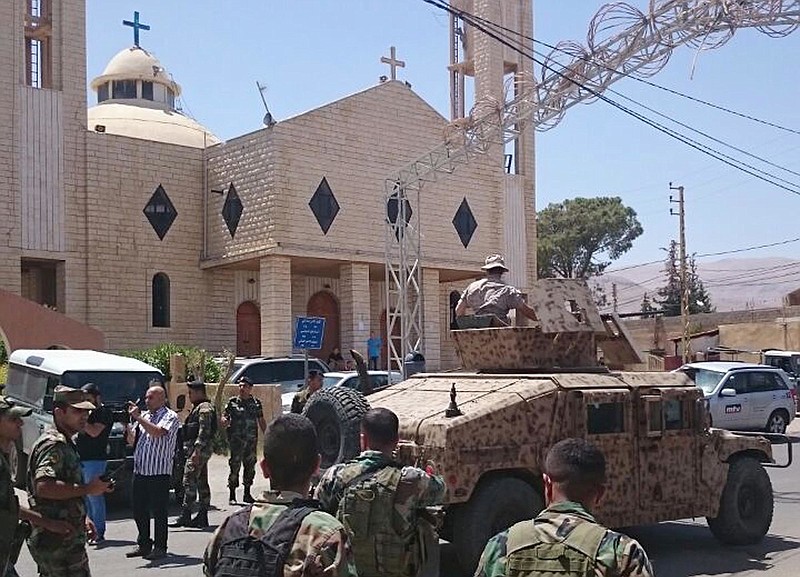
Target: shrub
[(159, 356)]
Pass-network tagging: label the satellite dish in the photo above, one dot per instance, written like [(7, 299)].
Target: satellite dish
[(268, 118)]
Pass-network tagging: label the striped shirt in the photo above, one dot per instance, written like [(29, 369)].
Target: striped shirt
[(154, 455)]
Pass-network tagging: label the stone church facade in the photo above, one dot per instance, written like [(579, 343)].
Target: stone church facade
[(138, 221)]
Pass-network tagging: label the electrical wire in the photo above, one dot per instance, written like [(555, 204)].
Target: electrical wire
[(705, 149)]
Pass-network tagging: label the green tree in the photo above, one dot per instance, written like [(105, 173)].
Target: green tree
[(579, 238), (669, 296)]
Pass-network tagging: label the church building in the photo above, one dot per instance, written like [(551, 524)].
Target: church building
[(133, 218)]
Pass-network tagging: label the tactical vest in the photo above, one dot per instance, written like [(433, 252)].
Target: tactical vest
[(530, 555), (366, 510), (191, 427)]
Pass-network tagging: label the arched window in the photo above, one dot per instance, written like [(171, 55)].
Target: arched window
[(160, 300)]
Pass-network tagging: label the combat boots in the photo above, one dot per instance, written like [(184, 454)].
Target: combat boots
[(200, 521), (232, 496), (247, 498), (183, 520)]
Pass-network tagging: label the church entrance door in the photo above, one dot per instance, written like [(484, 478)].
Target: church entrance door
[(248, 329), (324, 304)]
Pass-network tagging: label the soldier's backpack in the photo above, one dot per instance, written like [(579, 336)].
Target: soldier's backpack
[(242, 555), (366, 509), (530, 553)]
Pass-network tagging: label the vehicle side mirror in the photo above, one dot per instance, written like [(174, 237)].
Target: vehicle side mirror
[(727, 393), (181, 402)]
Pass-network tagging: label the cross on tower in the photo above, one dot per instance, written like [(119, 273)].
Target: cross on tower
[(393, 63), (136, 27)]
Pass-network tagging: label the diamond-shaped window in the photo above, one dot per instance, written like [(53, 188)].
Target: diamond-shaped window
[(393, 212), (464, 223), (160, 212), (324, 205), (232, 210)]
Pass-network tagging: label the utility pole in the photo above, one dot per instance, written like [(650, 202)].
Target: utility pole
[(681, 214), (614, 296)]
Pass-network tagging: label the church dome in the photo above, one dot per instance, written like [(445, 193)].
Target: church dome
[(136, 63), (136, 98)]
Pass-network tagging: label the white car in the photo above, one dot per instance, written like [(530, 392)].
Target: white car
[(744, 395), (380, 380), (288, 372)]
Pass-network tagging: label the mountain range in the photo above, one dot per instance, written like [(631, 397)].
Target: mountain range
[(732, 283)]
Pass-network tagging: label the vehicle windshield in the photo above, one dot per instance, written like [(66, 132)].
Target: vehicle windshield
[(705, 379), (330, 381), (116, 387)]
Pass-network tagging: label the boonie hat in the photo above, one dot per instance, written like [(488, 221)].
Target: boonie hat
[(7, 407), (494, 261), (72, 397), (91, 388)]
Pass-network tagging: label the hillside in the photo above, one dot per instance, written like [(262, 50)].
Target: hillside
[(734, 284)]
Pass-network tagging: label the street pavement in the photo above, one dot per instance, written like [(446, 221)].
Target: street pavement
[(677, 549)]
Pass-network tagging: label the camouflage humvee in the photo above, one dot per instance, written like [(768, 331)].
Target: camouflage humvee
[(487, 430)]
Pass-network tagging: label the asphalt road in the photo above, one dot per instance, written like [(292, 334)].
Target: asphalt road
[(678, 549)]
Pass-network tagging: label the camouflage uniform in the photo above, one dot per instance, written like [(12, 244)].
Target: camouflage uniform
[(203, 418), (492, 296), (415, 489), (54, 456), (300, 399), (321, 544), (244, 415), (617, 554), (9, 513)]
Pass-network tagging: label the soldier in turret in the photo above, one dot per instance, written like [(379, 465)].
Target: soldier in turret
[(199, 430), (492, 295)]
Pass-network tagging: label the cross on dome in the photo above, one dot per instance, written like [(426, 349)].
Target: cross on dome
[(393, 63), (136, 25)]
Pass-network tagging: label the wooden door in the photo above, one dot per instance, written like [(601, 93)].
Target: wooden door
[(324, 304), (248, 329)]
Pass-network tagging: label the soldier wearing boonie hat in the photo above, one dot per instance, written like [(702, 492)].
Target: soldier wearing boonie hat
[(56, 489), (493, 296)]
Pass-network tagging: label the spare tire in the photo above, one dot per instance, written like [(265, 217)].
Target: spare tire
[(336, 413)]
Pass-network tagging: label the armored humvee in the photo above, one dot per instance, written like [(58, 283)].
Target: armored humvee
[(487, 428)]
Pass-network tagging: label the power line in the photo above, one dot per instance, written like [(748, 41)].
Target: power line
[(705, 149)]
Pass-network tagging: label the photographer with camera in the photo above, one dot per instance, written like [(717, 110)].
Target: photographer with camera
[(92, 444)]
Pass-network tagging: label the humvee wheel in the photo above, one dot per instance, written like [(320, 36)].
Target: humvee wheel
[(777, 422), (336, 413), (745, 511), (496, 505)]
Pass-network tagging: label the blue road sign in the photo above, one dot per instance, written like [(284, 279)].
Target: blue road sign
[(308, 332)]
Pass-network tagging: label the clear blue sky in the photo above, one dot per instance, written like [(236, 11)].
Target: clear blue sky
[(310, 52)]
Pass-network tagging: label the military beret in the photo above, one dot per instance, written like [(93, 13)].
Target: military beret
[(91, 388), (245, 381), (7, 407), (72, 397), (196, 384)]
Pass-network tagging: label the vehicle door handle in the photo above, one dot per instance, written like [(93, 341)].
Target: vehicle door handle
[(41, 428)]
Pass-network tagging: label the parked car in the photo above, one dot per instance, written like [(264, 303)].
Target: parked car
[(34, 374), (789, 361), (288, 372), (744, 395), (380, 380)]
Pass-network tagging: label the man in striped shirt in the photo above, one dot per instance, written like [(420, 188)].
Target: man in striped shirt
[(153, 435)]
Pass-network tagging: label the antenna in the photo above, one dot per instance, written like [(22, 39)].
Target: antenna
[(268, 119)]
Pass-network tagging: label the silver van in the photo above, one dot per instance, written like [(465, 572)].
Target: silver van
[(33, 374)]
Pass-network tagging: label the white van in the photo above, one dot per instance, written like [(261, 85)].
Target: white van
[(33, 374)]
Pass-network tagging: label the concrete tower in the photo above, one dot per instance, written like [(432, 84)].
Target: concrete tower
[(485, 67)]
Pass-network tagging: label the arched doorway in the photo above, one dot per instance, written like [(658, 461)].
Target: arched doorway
[(324, 304), (385, 347), (248, 329)]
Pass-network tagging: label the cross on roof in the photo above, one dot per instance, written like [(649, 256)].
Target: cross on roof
[(136, 27), (393, 63)]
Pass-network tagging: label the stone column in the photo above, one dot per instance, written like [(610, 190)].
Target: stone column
[(433, 319), (275, 294), (354, 307)]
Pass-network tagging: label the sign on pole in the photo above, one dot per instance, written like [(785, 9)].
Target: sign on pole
[(308, 333)]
